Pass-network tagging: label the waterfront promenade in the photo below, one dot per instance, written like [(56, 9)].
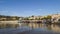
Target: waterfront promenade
[(8, 24)]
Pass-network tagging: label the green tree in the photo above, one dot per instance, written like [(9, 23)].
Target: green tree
[(26, 18), (49, 17)]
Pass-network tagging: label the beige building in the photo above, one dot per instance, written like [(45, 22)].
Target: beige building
[(55, 17), (35, 17)]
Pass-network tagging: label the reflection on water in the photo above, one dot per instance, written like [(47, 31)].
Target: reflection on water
[(51, 27), (2, 25), (27, 26)]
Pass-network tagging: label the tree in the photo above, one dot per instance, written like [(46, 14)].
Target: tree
[(49, 17), (26, 18), (32, 16), (37, 18)]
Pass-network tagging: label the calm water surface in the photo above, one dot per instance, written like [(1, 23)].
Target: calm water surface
[(32, 28)]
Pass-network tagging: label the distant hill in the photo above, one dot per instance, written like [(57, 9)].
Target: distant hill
[(8, 18)]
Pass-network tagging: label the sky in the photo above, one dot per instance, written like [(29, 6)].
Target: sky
[(29, 7)]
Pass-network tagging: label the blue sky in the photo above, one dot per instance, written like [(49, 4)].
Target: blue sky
[(29, 7)]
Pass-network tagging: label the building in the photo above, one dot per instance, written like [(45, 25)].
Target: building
[(35, 17), (55, 18)]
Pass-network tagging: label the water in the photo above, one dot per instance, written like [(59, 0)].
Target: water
[(48, 27), (31, 28)]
